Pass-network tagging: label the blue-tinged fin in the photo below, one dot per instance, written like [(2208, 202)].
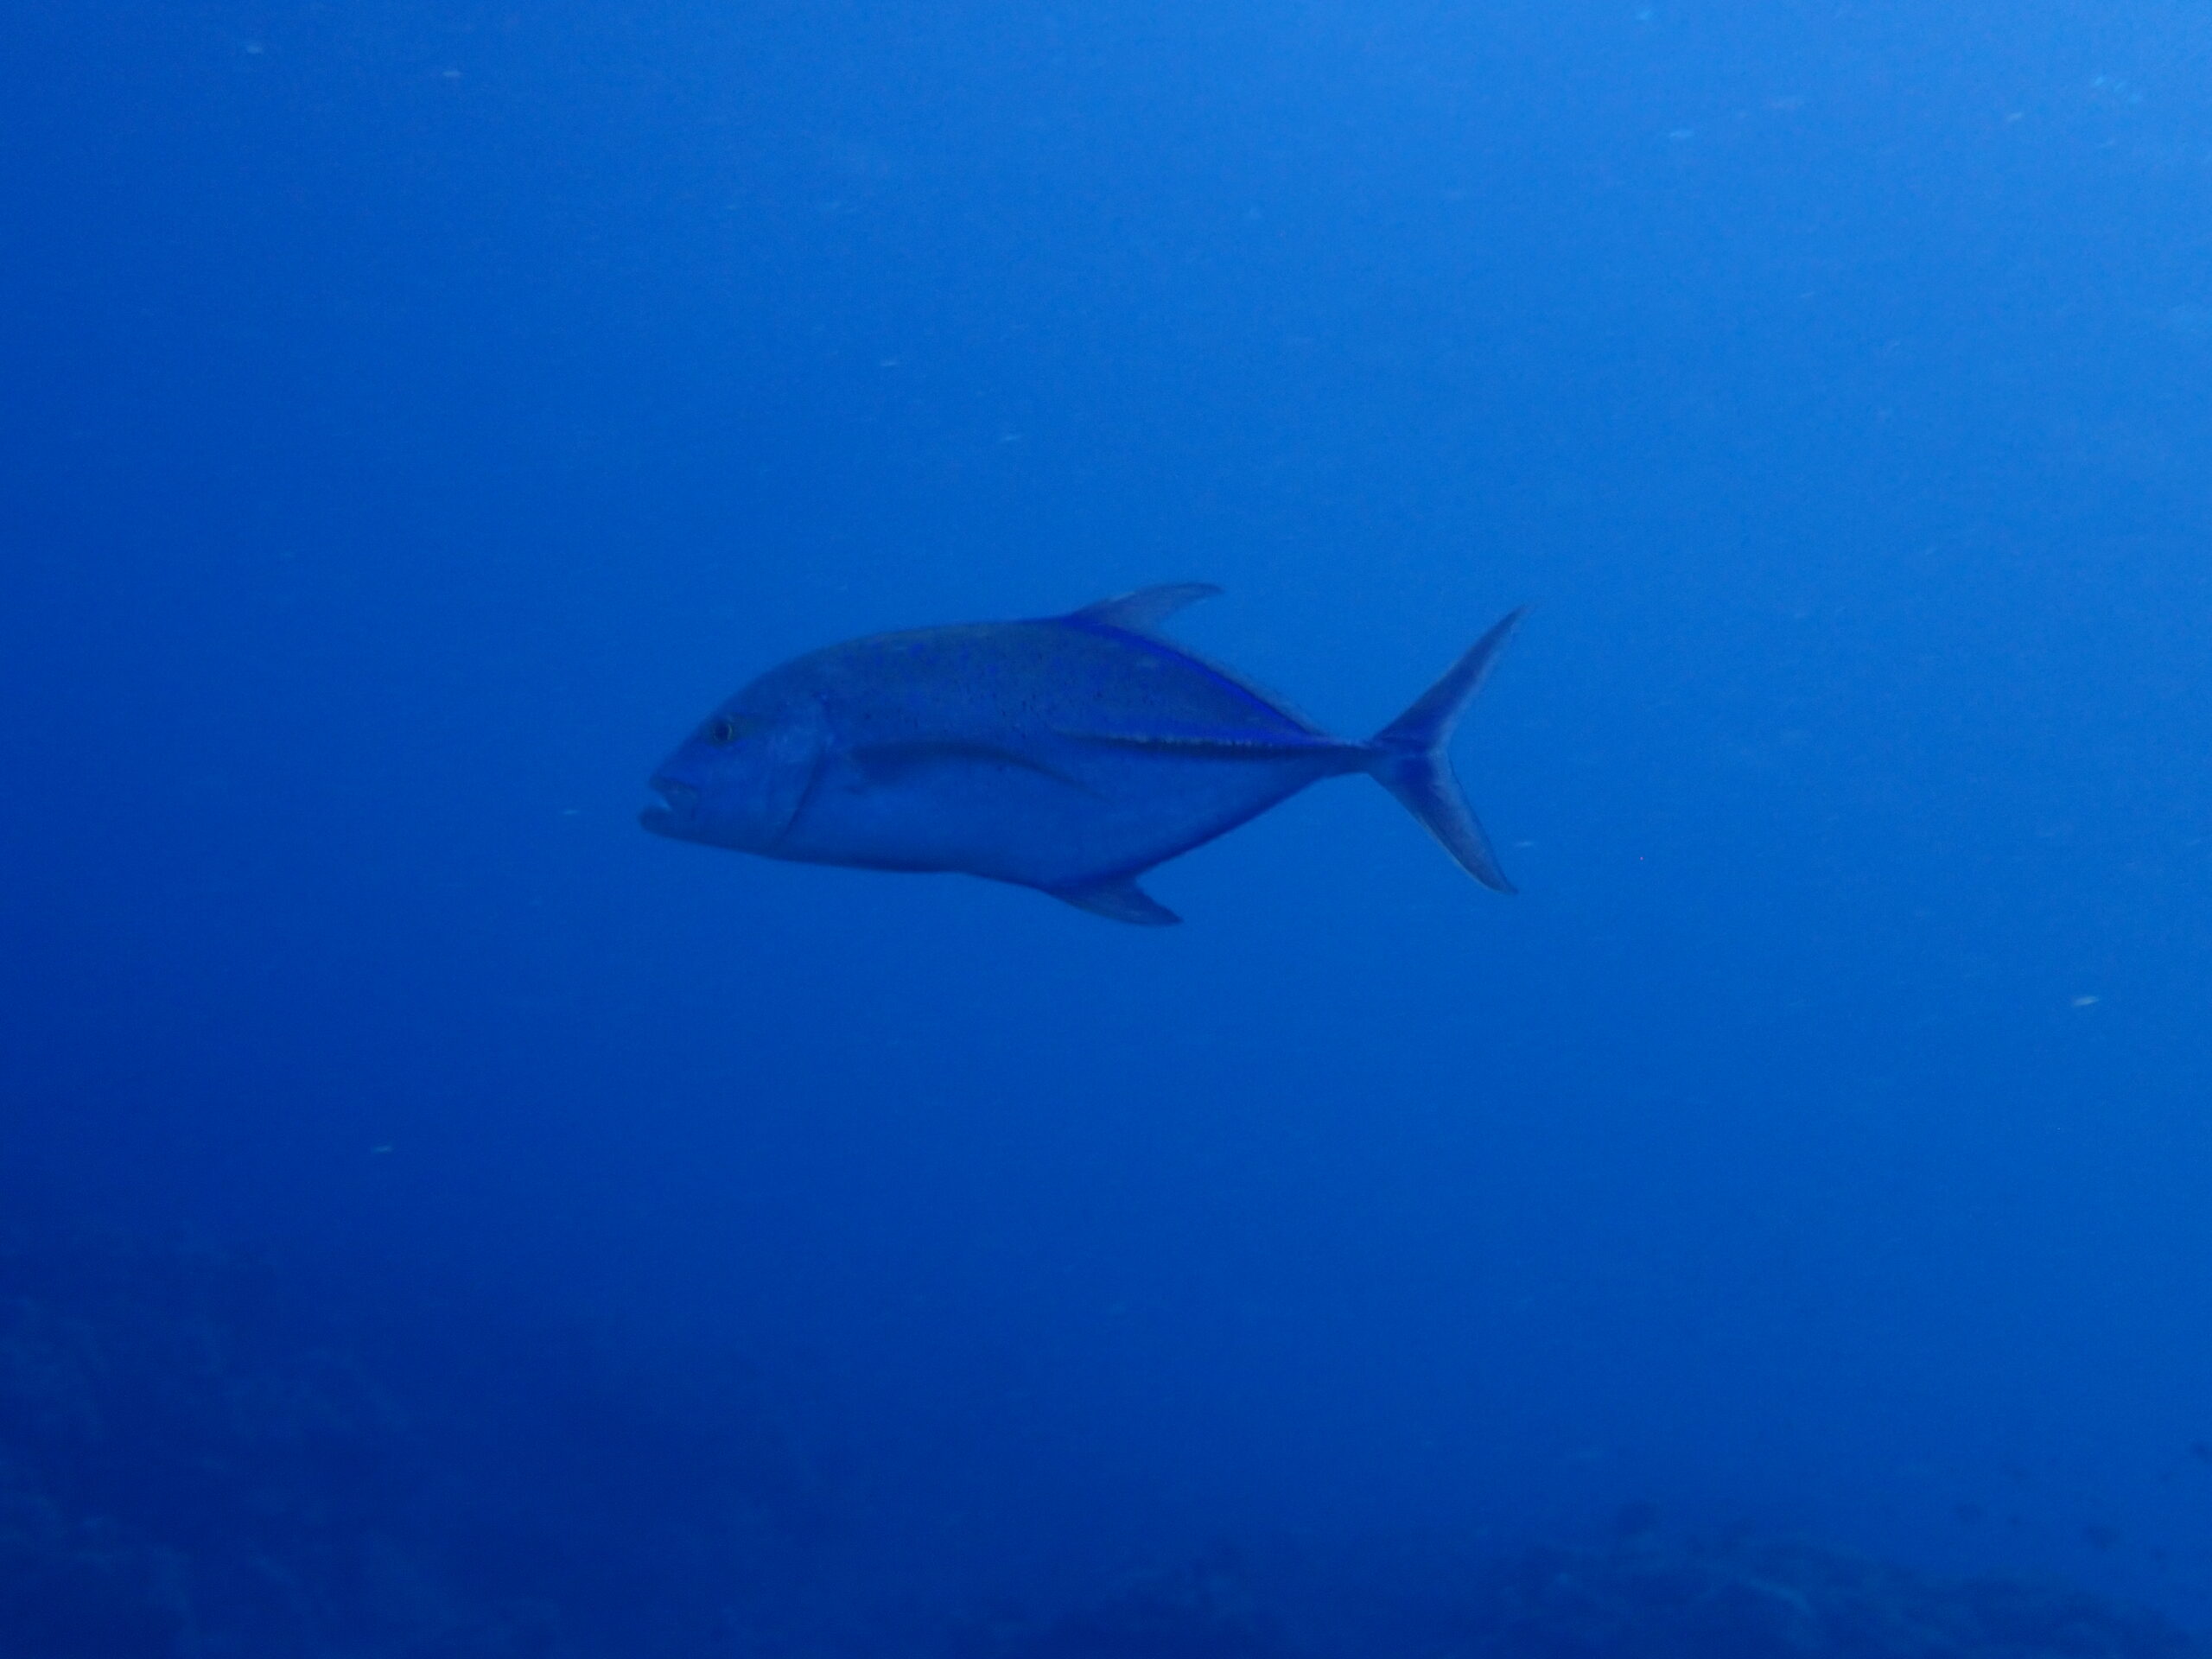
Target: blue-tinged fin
[(1137, 616), (1118, 898), (906, 762), (1408, 757), (1144, 610)]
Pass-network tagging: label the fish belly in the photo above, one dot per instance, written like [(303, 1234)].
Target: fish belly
[(1044, 818)]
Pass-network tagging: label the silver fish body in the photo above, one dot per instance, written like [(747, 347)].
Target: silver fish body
[(1069, 754)]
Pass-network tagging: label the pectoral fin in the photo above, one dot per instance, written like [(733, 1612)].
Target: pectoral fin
[(895, 763), (1120, 900)]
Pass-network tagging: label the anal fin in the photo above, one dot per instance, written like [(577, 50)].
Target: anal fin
[(1119, 900)]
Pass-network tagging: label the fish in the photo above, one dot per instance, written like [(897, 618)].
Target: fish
[(1069, 753)]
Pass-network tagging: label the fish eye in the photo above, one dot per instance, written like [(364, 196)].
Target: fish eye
[(722, 730)]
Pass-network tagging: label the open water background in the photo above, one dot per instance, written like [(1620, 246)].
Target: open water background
[(413, 417)]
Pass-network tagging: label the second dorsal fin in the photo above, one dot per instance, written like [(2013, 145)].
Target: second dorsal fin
[(1144, 610)]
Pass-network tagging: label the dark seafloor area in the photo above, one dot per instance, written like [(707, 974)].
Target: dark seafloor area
[(199, 1457)]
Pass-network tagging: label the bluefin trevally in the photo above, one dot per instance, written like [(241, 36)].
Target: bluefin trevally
[(1070, 754)]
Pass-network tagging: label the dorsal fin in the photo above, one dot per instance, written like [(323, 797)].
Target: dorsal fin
[(1144, 610)]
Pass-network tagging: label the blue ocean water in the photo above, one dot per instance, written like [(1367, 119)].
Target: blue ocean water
[(413, 417)]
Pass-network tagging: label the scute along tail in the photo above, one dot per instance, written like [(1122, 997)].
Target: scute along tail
[(1410, 757)]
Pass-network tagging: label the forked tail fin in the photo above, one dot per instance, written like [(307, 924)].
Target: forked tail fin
[(1410, 757)]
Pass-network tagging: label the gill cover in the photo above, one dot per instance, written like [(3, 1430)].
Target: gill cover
[(792, 749)]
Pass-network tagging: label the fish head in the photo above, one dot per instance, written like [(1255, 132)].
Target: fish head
[(740, 778)]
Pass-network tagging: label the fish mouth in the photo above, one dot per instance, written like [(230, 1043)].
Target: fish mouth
[(671, 815)]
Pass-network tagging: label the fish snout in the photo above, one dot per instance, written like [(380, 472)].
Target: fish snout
[(673, 814)]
